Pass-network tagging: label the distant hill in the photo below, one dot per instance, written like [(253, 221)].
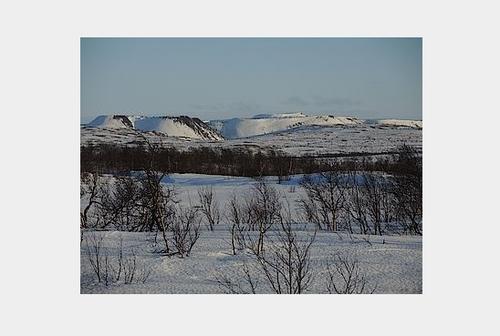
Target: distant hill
[(235, 128), (181, 126), (271, 123)]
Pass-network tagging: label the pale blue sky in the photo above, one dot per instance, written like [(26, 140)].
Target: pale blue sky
[(215, 78)]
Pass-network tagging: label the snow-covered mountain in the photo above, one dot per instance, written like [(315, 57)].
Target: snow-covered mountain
[(297, 134), (400, 123), (236, 128), (112, 121), (182, 126), (271, 123)]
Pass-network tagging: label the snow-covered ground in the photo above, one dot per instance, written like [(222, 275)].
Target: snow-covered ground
[(295, 134), (400, 123), (392, 263), (311, 140)]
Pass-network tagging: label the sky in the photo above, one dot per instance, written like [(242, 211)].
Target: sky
[(221, 78)]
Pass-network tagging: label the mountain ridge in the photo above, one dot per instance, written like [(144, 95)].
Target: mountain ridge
[(235, 128), (271, 123), (180, 126)]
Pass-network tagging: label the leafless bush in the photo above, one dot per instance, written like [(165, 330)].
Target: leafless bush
[(286, 263), (234, 216), (113, 269), (120, 204), (129, 268), (90, 186), (246, 283), (387, 201), (119, 262), (264, 211), (259, 211), (345, 276), (325, 198), (129, 203), (179, 227), (408, 204), (374, 194), (356, 205), (282, 166), (157, 201), (185, 231), (144, 274), (310, 212), (407, 189), (377, 192), (209, 206), (94, 251), (145, 204)]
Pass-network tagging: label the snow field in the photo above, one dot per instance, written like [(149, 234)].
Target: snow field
[(311, 140), (392, 263)]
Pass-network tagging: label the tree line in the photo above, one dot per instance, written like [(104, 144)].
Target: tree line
[(244, 161)]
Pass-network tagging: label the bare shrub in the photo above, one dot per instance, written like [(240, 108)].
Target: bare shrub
[(119, 267), (246, 283), (132, 269), (407, 189), (110, 269), (286, 263), (90, 186), (94, 251), (373, 196), (234, 216), (185, 231), (264, 211), (119, 204), (144, 274), (129, 268), (157, 202), (283, 166), (345, 276), (209, 206), (356, 204), (325, 198), (369, 201), (179, 229)]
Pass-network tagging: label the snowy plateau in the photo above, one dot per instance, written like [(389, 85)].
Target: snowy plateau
[(292, 133)]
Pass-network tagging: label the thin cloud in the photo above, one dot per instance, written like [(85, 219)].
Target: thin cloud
[(334, 101), (296, 101), (321, 102), (235, 107)]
